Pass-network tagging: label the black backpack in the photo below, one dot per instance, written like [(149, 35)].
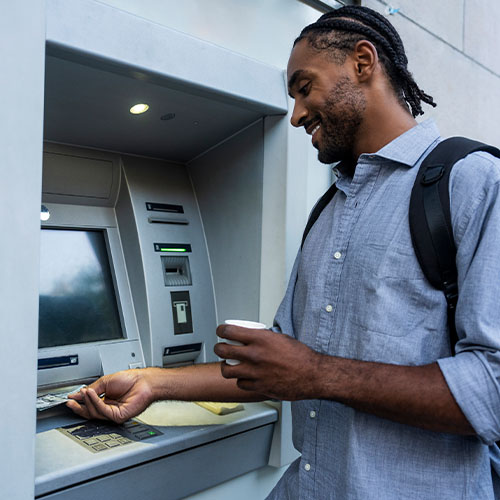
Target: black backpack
[(430, 219)]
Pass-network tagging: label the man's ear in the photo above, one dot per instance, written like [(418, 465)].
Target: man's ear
[(365, 58)]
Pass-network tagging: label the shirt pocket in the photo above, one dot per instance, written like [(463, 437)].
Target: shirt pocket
[(387, 284)]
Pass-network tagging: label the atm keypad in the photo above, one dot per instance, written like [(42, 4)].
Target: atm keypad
[(100, 436)]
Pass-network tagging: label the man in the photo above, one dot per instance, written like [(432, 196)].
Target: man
[(381, 408)]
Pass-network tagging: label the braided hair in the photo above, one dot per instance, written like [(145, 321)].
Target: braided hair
[(342, 28)]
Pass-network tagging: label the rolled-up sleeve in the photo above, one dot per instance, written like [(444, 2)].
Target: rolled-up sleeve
[(473, 374), (283, 320), (473, 380)]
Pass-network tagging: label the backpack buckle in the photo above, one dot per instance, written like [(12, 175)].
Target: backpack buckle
[(432, 174), (450, 289)]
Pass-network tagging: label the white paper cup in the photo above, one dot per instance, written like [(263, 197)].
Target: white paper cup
[(245, 324)]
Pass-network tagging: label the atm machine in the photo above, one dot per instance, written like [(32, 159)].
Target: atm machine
[(152, 236)]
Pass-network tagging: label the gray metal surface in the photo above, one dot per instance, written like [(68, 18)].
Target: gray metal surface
[(156, 181), (79, 176), (228, 185), (61, 463)]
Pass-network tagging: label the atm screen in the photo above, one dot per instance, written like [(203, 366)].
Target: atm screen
[(77, 296)]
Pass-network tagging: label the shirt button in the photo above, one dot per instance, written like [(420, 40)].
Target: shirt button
[(312, 414), (337, 255), (307, 467), (329, 308)]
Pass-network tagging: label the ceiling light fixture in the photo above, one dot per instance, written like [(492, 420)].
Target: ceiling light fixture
[(137, 109)]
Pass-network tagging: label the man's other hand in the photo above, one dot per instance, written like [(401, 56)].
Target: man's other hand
[(272, 364), (116, 397)]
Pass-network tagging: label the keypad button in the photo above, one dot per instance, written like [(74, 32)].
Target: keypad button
[(130, 424)]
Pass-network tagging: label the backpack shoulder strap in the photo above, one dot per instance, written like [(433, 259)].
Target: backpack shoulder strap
[(430, 218), (316, 211)]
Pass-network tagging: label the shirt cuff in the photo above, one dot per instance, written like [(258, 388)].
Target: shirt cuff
[(474, 386)]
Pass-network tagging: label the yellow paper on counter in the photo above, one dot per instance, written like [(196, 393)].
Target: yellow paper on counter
[(220, 408), (184, 413)]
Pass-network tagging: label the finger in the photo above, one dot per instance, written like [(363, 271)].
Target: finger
[(89, 405), (226, 370), (246, 384), (232, 371), (99, 386), (231, 332), (80, 410), (97, 406), (109, 409), (76, 395), (228, 351)]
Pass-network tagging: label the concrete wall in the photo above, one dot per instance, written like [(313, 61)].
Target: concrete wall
[(452, 47), (22, 43)]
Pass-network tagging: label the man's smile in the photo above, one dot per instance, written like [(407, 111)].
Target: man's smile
[(311, 125), (314, 134)]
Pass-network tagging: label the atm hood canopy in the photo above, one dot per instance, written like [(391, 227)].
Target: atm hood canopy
[(198, 93), (87, 106)]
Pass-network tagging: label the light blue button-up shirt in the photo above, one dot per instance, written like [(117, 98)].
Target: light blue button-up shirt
[(357, 291)]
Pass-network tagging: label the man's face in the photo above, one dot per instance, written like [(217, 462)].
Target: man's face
[(328, 102)]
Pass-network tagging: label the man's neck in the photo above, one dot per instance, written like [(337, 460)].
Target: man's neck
[(381, 125)]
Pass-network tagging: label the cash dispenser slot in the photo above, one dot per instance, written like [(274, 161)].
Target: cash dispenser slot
[(176, 270)]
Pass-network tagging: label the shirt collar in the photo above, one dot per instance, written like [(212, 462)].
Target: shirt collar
[(406, 149), (409, 147)]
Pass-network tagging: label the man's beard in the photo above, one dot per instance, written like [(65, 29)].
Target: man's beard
[(340, 121)]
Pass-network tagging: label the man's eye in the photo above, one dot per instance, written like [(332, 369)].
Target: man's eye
[(304, 90)]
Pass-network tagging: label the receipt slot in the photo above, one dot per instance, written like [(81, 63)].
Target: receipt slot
[(181, 308)]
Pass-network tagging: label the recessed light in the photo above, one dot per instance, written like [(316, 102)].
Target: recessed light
[(137, 109)]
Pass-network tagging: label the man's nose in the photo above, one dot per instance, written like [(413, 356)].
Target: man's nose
[(299, 114)]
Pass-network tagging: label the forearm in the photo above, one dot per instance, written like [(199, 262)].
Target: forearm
[(202, 382), (413, 395)]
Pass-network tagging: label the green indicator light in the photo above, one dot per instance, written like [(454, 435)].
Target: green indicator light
[(173, 249), (151, 433)]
